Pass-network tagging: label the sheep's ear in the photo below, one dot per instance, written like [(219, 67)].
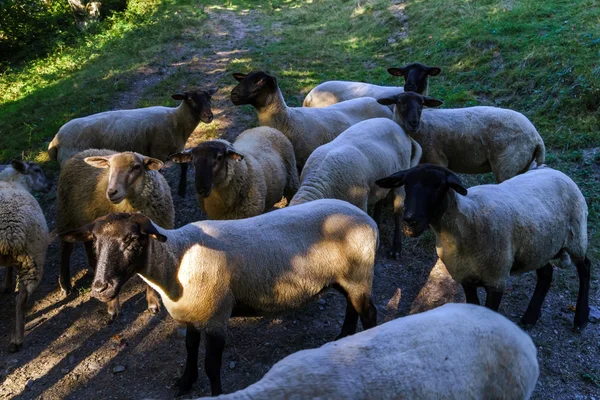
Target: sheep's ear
[(431, 102), (83, 234), (212, 91), (238, 76), (387, 101), (455, 183), (19, 166), (178, 96), (434, 71), (181, 158), (234, 155), (396, 71), (153, 164), (147, 228), (98, 161), (392, 181), (272, 80)]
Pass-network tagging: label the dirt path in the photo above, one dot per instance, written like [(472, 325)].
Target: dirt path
[(72, 352)]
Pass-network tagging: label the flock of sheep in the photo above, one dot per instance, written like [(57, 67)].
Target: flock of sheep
[(351, 146)]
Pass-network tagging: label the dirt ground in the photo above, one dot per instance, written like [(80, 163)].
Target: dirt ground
[(71, 350)]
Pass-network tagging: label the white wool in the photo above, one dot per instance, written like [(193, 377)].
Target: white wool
[(331, 92)]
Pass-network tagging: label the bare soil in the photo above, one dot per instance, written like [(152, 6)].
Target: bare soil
[(71, 350)]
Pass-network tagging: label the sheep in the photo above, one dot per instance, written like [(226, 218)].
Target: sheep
[(416, 79), (347, 167), (470, 140), (208, 271), (248, 176), (96, 182), (457, 351), (306, 128), (494, 231), (152, 131), (24, 236)]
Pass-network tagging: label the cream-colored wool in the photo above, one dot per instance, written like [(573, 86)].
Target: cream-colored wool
[(513, 227), (24, 240), (457, 351), (153, 131), (308, 128), (270, 263), (332, 92), (255, 184), (478, 139), (347, 167)]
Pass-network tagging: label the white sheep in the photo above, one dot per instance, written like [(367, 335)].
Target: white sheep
[(96, 182), (495, 231), (246, 178), (207, 270), (416, 79), (470, 140), (24, 236), (457, 351), (347, 167), (306, 128), (153, 131)]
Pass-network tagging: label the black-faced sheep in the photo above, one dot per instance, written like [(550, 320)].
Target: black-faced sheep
[(206, 271), (246, 178), (153, 131)]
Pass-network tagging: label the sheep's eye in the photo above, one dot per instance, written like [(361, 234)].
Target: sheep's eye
[(136, 167), (219, 157)]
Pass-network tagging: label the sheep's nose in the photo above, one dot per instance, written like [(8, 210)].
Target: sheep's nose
[(208, 118), (111, 192), (99, 286)]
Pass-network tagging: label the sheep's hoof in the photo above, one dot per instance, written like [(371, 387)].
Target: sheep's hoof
[(65, 292), (578, 328), (394, 254), (153, 309), (184, 385), (526, 325), (13, 347)]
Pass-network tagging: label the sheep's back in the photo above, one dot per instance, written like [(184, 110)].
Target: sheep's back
[(332, 92)]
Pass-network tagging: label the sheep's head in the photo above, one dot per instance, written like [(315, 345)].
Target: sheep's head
[(33, 174), (416, 76), (121, 242), (408, 110), (426, 187), (253, 88), (210, 162), (199, 101), (126, 170)]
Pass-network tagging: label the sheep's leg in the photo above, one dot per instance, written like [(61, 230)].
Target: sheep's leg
[(66, 249), (534, 310), (471, 294), (152, 297), (114, 307), (368, 313), (183, 180), (582, 311), (190, 374), (350, 320), (493, 299), (396, 250), (215, 343), (7, 282), (16, 341), (377, 212)]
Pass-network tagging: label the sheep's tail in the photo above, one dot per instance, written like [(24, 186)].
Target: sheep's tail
[(416, 153), (53, 148), (537, 159)]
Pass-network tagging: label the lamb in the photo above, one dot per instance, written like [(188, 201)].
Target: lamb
[(96, 182), (246, 178), (24, 236), (470, 140), (208, 271), (416, 79), (494, 231), (152, 131), (347, 167), (306, 128), (457, 351)]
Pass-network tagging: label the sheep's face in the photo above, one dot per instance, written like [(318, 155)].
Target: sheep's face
[(426, 187), (34, 175), (121, 242), (254, 89), (210, 160), (415, 76), (126, 170), (408, 110), (199, 102)]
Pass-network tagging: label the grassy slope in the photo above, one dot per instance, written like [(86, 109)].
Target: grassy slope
[(529, 55)]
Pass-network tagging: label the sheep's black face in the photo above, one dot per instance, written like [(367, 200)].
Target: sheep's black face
[(409, 106), (38, 180), (253, 89), (121, 242), (199, 102), (426, 187), (415, 76), (210, 160)]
